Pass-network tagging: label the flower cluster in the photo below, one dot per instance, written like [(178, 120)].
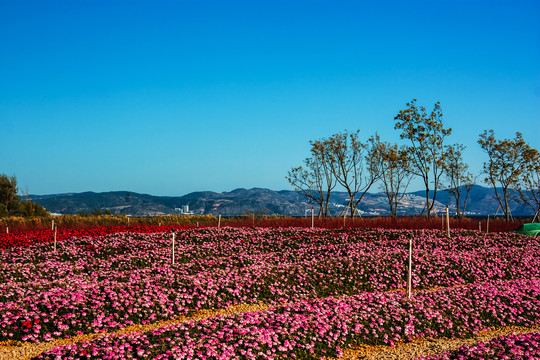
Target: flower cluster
[(516, 347), (97, 284), (28, 238), (325, 326)]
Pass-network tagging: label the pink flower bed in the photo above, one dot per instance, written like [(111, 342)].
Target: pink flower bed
[(323, 327), (97, 284)]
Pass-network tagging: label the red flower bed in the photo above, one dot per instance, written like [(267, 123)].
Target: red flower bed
[(27, 238)]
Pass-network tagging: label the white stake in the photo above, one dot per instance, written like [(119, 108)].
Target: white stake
[(52, 225), (409, 275), (55, 238), (219, 220), (7, 229), (447, 222), (197, 224), (312, 219), (487, 225), (173, 236), (480, 226)]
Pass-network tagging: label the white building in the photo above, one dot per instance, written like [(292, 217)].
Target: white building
[(184, 210)]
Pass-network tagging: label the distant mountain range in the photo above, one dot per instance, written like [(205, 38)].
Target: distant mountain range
[(481, 202)]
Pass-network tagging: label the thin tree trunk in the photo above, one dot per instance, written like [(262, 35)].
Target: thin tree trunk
[(428, 207)]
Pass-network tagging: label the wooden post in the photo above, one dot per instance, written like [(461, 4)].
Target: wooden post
[(312, 218), (52, 225), (7, 229), (535, 215), (487, 225), (409, 275), (447, 221), (480, 225), (219, 220), (173, 236), (197, 224), (55, 238)]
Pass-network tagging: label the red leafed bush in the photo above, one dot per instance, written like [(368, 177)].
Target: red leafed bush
[(77, 227), (27, 238)]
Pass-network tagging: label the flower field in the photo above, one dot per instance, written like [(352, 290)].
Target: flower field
[(326, 290), (523, 346)]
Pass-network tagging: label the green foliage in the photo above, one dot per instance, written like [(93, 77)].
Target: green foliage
[(426, 135), (96, 212), (10, 201), (509, 162), (31, 209), (3, 210)]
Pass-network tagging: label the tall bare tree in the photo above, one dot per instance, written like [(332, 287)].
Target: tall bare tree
[(426, 135), (308, 182), (529, 184), (352, 165), (458, 176), (322, 155), (395, 174), (507, 162), (316, 180)]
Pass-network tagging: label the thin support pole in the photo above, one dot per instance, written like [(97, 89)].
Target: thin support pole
[(55, 229), (409, 275), (447, 222), (312, 218), (173, 236), (219, 220), (487, 224)]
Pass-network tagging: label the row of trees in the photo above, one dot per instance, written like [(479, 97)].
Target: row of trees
[(513, 167), (11, 203)]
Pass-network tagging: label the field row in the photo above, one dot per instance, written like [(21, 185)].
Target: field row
[(35, 237), (97, 284), (323, 327)]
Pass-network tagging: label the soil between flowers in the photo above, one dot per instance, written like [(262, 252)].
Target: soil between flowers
[(16, 350), (425, 347)]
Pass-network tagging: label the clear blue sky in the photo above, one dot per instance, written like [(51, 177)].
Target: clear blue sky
[(169, 97)]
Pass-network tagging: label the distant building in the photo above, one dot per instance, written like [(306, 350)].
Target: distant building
[(184, 210)]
